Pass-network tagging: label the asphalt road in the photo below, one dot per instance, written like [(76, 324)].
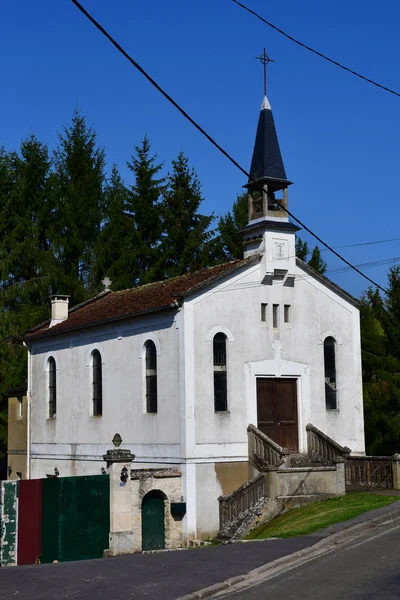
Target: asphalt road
[(161, 576), (363, 570)]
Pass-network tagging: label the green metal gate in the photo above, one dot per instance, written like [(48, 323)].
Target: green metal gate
[(153, 530), (75, 518)]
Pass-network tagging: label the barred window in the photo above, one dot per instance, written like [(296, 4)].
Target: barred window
[(97, 383), (220, 378), (330, 373), (151, 377), (52, 387)]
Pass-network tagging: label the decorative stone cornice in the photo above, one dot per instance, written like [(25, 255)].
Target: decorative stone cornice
[(118, 455)]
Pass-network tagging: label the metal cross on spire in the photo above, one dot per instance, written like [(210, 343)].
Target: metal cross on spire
[(265, 59)]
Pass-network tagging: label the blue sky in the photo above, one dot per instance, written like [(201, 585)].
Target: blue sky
[(339, 136)]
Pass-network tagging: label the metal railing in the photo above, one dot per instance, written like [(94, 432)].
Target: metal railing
[(234, 507), (321, 447), (264, 452)]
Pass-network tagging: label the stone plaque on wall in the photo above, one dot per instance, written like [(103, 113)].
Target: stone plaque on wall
[(280, 249)]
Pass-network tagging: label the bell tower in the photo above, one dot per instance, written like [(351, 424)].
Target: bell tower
[(269, 230)]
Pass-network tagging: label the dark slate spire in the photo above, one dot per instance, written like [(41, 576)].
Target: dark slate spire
[(267, 163)]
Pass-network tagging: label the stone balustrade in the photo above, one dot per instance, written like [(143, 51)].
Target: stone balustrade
[(264, 452), (234, 507), (323, 448)]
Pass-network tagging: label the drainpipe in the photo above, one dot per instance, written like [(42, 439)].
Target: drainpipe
[(28, 415)]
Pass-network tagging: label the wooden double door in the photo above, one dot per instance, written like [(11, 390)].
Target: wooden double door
[(277, 411)]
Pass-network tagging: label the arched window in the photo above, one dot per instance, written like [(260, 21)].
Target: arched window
[(220, 383), (52, 387), (151, 377), (97, 383), (330, 373)]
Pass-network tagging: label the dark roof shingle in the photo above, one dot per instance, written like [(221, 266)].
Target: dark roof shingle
[(112, 306)]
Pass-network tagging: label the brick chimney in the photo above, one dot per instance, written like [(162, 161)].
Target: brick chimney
[(59, 309)]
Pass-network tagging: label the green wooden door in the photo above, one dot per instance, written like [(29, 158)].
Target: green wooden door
[(153, 533)]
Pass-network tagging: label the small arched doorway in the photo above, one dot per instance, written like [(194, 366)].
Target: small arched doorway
[(153, 529)]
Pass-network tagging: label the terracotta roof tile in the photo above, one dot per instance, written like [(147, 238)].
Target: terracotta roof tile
[(112, 306)]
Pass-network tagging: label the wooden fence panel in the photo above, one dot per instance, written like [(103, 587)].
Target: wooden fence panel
[(50, 520), (76, 518), (29, 521)]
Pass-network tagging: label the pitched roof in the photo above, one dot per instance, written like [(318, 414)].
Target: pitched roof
[(112, 306), (328, 282), (267, 160)]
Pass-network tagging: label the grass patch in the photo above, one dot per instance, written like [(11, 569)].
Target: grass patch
[(301, 521)]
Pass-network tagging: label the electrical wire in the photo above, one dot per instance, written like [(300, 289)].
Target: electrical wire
[(334, 62), (365, 244), (211, 139)]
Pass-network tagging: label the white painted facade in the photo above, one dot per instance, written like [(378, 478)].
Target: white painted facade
[(186, 431), (209, 447)]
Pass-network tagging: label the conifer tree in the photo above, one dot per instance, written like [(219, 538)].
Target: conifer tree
[(115, 250), (25, 254), (392, 321), (6, 356), (302, 249), (230, 225), (78, 210), (381, 376), (316, 261), (143, 205), (187, 243)]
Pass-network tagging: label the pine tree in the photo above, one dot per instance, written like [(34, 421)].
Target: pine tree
[(143, 204), (381, 378), (230, 225), (115, 250), (302, 249), (78, 207), (187, 243), (392, 321), (6, 226), (26, 258), (316, 261)]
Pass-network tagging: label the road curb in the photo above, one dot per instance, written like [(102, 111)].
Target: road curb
[(272, 569)]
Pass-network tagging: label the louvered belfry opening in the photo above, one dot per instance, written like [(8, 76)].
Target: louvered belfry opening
[(268, 183)]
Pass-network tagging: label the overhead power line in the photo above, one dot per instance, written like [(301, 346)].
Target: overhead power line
[(368, 265), (331, 60), (211, 139), (365, 244)]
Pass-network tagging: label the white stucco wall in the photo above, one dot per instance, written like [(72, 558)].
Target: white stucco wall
[(74, 440), (255, 348), (186, 430)]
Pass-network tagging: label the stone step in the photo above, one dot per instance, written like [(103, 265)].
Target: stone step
[(304, 460)]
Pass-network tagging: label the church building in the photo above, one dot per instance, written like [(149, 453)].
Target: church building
[(181, 367)]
